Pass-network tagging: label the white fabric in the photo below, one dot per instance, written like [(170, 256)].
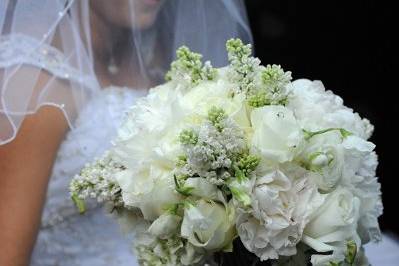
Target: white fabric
[(93, 239), (70, 32), (385, 253)]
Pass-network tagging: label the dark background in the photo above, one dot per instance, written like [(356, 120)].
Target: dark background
[(349, 46)]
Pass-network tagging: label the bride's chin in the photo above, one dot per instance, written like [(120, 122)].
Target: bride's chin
[(135, 14)]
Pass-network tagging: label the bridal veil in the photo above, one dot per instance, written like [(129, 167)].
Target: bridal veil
[(47, 55)]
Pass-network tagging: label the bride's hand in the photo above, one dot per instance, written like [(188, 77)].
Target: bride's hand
[(25, 166)]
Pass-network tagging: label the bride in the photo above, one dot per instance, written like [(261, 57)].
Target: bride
[(68, 71)]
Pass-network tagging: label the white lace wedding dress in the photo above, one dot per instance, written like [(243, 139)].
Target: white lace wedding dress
[(93, 239), (65, 237)]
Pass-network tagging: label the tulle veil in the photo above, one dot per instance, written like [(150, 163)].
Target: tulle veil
[(46, 50)]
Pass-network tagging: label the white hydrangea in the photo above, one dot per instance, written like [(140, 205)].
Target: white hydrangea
[(317, 109), (279, 211), (360, 178)]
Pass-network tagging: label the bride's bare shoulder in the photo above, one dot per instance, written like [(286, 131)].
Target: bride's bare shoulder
[(25, 166), (44, 129)]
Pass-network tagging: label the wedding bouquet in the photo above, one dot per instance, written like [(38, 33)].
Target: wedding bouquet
[(240, 153)]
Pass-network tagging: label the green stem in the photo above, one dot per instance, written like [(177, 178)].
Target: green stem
[(310, 134)]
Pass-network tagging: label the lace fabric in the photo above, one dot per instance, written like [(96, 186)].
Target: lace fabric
[(67, 238), (136, 35), (17, 49), (18, 52)]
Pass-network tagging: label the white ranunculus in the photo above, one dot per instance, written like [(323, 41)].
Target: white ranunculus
[(209, 225), (324, 156), (139, 189), (279, 211), (334, 223), (277, 135), (316, 109), (165, 226)]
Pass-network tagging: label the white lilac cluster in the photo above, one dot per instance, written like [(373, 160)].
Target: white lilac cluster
[(96, 180), (243, 153), (211, 149)]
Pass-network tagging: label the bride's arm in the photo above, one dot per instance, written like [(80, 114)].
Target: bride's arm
[(25, 166)]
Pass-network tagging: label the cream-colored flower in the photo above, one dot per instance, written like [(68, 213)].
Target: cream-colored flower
[(207, 94), (324, 155), (316, 109), (173, 251), (334, 223), (209, 225), (167, 225), (280, 209), (277, 135), (202, 188), (140, 189), (360, 177)]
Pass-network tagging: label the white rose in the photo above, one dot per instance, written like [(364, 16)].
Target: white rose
[(140, 189), (316, 109), (209, 225), (279, 212), (277, 135), (165, 226), (338, 257), (334, 223)]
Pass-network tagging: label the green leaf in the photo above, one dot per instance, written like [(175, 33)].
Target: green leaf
[(239, 174), (334, 263), (79, 203), (185, 191), (351, 250), (242, 197)]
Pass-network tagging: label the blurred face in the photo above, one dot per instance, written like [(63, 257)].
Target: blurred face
[(139, 14)]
